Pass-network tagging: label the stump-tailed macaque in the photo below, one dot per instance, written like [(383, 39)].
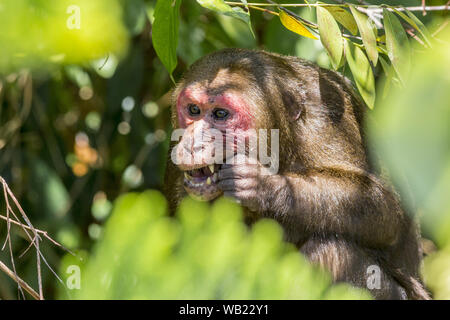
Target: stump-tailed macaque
[(325, 193)]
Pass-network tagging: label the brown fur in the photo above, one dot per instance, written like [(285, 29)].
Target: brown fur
[(327, 196)]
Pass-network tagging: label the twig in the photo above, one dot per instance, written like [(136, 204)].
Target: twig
[(8, 238), (308, 23), (414, 36), (375, 17), (20, 282), (34, 240), (429, 8), (442, 27), (44, 233), (36, 236), (264, 10), (370, 7), (314, 26)]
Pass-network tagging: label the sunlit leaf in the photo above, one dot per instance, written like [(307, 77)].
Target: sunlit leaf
[(397, 43), (237, 31), (42, 34), (417, 24), (295, 25), (367, 34), (165, 32), (410, 130), (343, 17), (48, 190), (221, 7), (203, 252), (389, 72), (362, 72), (382, 38), (330, 36)]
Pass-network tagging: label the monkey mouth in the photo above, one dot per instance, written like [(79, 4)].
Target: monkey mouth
[(201, 183)]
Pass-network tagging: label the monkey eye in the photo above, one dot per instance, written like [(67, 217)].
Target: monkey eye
[(220, 114), (193, 109)]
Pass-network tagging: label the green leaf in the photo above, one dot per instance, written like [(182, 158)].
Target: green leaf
[(49, 192), (367, 34), (241, 263), (397, 44), (417, 24), (134, 16), (410, 130), (362, 72), (221, 7), (237, 31), (330, 36), (165, 32), (389, 71), (343, 17), (295, 25)]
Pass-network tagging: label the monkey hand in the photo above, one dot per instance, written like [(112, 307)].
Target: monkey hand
[(252, 185)]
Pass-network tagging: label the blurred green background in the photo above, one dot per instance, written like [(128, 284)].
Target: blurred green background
[(84, 118)]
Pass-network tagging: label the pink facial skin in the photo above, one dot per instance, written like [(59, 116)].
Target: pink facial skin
[(240, 116)]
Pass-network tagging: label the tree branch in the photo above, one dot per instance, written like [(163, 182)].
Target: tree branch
[(369, 7), (19, 281)]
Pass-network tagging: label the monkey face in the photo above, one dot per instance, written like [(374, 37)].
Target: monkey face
[(206, 119)]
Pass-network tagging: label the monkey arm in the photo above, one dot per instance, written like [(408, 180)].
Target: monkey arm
[(351, 204), (332, 201)]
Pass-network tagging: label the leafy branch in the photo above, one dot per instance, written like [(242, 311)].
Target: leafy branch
[(371, 7), (360, 48), (33, 235)]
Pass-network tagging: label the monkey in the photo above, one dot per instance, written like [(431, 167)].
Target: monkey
[(326, 194)]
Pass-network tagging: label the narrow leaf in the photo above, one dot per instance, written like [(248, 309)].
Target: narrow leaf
[(389, 72), (330, 36), (418, 25), (397, 43), (343, 17), (362, 72), (165, 32), (413, 24), (367, 34), (294, 25), (221, 7)]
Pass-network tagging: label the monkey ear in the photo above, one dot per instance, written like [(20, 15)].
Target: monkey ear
[(293, 103)]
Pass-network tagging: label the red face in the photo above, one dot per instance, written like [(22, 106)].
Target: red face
[(223, 111), (199, 111)]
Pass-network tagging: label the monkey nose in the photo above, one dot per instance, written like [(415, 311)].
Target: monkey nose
[(197, 147)]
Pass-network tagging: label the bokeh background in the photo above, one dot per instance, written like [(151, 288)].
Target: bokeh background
[(84, 119)]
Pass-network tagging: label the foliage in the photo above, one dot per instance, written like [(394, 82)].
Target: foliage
[(394, 43), (43, 44), (84, 113), (411, 133), (166, 26), (205, 252)]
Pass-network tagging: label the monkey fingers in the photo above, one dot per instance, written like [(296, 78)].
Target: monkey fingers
[(244, 190), (238, 171), (238, 184), (247, 198)]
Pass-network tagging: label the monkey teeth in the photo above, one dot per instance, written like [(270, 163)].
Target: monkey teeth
[(202, 176), (201, 183)]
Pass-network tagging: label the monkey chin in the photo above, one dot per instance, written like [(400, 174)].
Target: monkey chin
[(201, 183)]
